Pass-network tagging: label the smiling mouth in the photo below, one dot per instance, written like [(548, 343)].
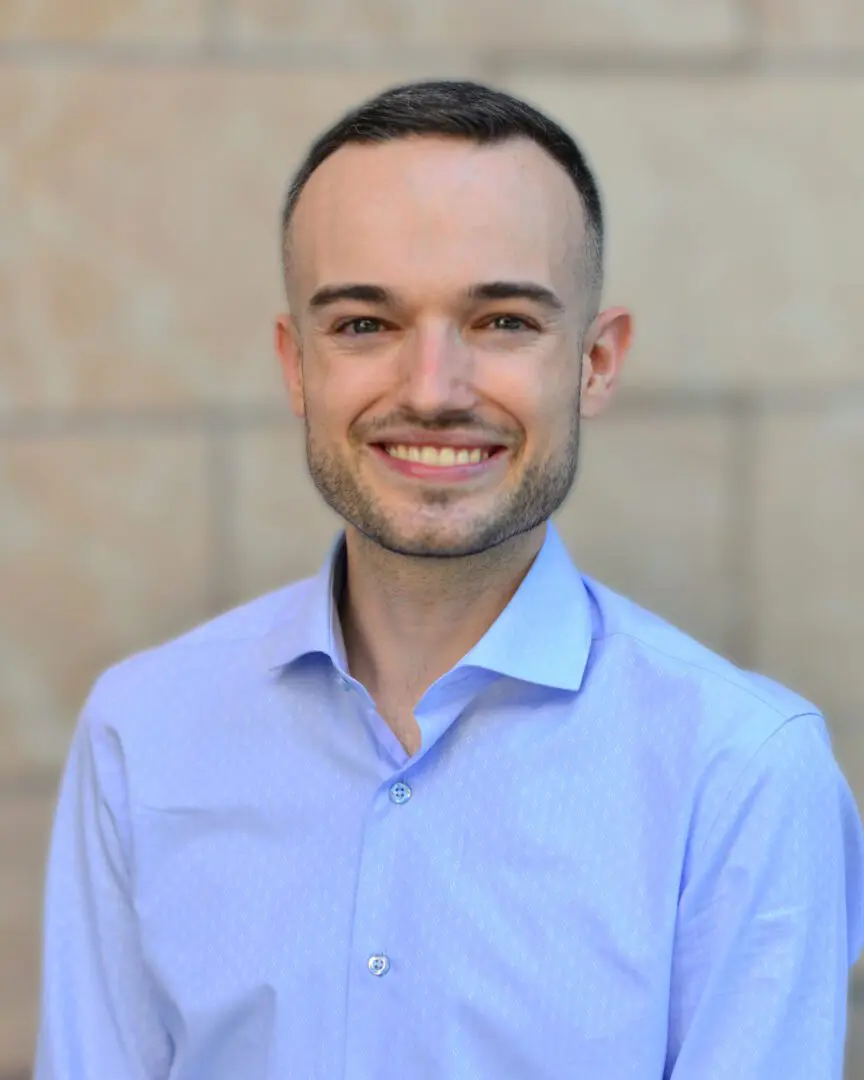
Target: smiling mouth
[(443, 457)]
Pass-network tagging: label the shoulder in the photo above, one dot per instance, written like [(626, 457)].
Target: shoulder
[(217, 657), (705, 718), (746, 751), (680, 674)]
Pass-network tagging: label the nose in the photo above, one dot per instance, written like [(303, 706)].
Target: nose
[(436, 370)]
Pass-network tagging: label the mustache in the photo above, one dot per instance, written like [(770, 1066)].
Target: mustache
[(460, 420)]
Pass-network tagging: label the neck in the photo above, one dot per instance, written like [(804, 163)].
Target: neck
[(406, 621)]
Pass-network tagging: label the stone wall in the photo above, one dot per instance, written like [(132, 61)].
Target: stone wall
[(148, 475)]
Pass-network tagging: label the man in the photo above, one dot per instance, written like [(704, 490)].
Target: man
[(449, 810)]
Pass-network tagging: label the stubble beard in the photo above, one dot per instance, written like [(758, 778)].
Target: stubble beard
[(542, 489)]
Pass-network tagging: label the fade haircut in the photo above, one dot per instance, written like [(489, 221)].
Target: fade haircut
[(459, 110)]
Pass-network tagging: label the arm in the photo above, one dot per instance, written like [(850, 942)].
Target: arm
[(771, 917), (98, 1016)]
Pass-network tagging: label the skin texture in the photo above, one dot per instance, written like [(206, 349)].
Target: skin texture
[(431, 562)]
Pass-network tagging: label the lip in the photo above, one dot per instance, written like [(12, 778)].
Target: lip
[(441, 474)]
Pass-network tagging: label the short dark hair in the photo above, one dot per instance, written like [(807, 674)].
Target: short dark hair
[(460, 110)]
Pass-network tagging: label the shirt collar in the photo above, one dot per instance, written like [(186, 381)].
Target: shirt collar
[(309, 622), (543, 635)]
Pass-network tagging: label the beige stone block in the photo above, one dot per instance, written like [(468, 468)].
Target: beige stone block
[(100, 20), (731, 204), (650, 517), (25, 823), (283, 529), (809, 571), (803, 26), (140, 265), (103, 551), (855, 1042), (576, 25)]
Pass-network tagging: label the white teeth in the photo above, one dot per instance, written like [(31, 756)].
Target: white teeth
[(442, 456)]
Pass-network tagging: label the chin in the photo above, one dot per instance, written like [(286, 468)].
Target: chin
[(423, 545), (433, 541)]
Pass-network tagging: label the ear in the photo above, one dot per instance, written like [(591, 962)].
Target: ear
[(605, 350), (290, 353)]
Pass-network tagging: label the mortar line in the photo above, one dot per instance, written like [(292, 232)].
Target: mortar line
[(110, 422), (503, 63)]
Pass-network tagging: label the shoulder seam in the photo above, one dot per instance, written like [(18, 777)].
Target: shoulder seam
[(746, 690)]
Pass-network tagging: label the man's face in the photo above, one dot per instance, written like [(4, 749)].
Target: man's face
[(438, 297)]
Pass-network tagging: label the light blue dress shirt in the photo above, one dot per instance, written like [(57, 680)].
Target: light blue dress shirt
[(615, 857)]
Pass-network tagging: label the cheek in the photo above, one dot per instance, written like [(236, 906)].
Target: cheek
[(543, 409), (555, 427), (537, 389), (335, 401)]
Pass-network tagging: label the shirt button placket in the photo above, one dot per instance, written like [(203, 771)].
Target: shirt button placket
[(377, 891)]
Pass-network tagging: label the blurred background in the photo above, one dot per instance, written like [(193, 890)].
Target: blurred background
[(149, 475)]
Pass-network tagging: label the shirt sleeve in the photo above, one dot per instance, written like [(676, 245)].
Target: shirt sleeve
[(98, 1012), (771, 918)]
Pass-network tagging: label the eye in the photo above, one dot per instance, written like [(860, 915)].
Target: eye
[(509, 323), (360, 326)]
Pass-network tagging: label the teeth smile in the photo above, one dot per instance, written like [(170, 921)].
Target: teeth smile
[(443, 456)]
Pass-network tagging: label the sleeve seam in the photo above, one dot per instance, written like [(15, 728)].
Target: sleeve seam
[(736, 783)]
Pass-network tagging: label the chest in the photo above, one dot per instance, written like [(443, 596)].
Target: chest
[(490, 912)]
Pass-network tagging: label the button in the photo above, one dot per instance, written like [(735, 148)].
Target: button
[(379, 964), (400, 793), (343, 682)]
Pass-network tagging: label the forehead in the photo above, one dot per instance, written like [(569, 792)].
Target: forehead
[(428, 213)]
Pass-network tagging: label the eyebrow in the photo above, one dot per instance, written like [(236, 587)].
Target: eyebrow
[(365, 294), (362, 293), (517, 290)]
